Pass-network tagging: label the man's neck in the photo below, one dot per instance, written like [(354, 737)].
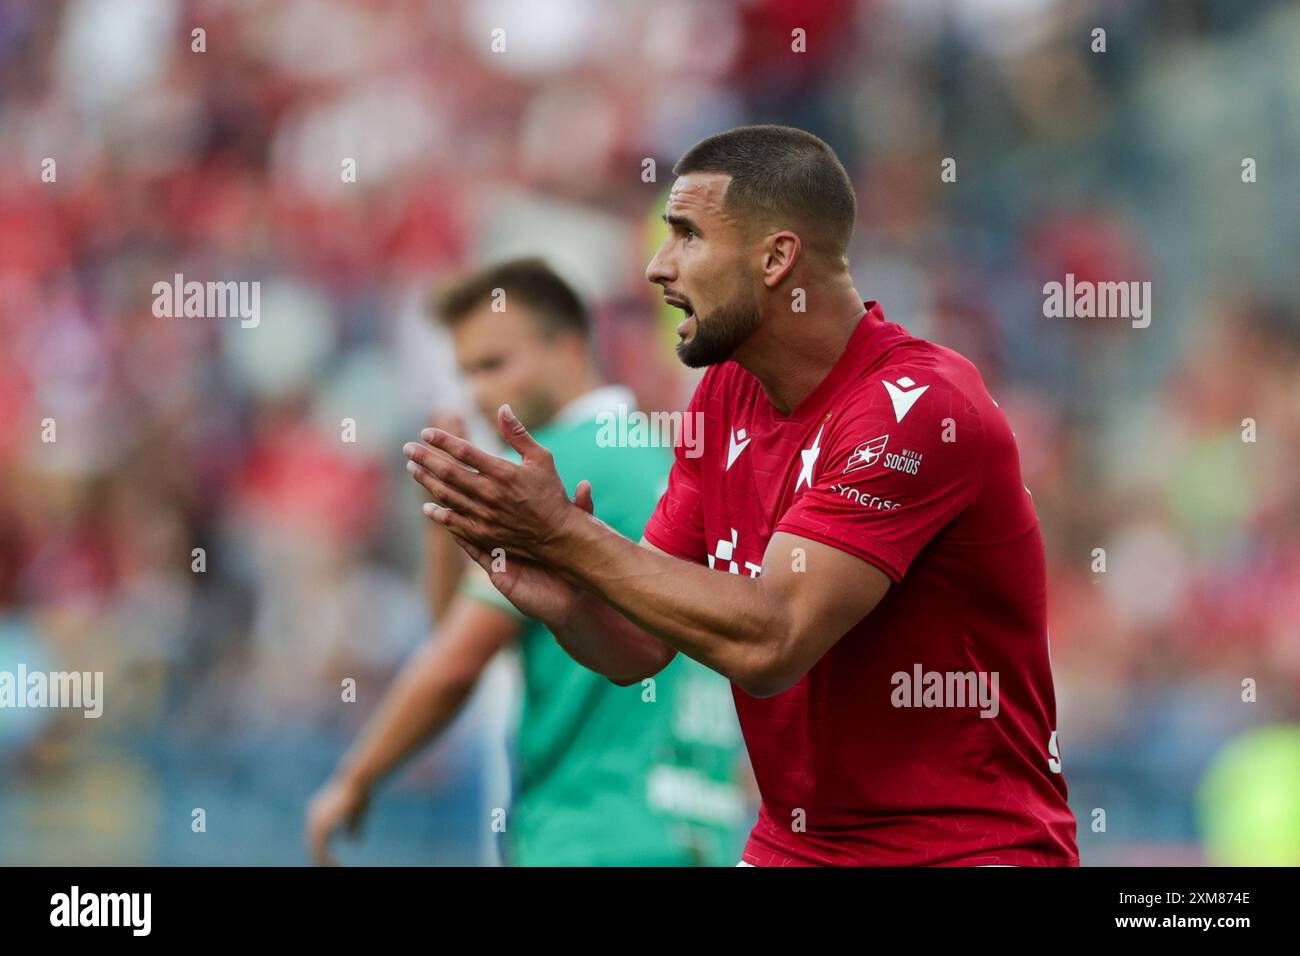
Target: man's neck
[(579, 387), (792, 354)]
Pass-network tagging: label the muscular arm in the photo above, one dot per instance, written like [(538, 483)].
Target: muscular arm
[(763, 633), (600, 638)]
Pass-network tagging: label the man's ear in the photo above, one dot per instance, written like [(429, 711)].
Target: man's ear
[(780, 252)]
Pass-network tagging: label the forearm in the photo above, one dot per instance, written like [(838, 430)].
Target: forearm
[(730, 623), (421, 703), (763, 632), (601, 639), (444, 566)]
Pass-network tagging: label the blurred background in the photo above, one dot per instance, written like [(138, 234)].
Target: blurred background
[(182, 433)]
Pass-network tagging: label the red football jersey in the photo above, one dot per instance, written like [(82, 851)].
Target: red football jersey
[(927, 733)]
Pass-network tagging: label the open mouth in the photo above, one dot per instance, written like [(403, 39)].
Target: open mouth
[(688, 310), (686, 325)]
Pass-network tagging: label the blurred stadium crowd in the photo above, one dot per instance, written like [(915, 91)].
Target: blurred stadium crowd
[(183, 433)]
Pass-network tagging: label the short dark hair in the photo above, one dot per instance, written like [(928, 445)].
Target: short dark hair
[(781, 171), (552, 301)]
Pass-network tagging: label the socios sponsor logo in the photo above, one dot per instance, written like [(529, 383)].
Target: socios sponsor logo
[(908, 462)]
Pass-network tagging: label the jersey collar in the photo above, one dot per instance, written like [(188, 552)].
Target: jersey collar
[(858, 354), (605, 398)]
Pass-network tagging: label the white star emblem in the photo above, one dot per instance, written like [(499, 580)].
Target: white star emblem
[(809, 459)]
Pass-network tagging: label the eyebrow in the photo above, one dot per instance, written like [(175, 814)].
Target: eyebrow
[(682, 221)]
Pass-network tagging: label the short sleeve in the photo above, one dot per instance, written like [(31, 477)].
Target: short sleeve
[(885, 488), (677, 525)]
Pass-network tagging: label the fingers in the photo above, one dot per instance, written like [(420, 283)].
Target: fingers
[(463, 479), (464, 452), (477, 552), (483, 498), (459, 525), (447, 421), (443, 493), (582, 497), (517, 437), (478, 555), (318, 835)]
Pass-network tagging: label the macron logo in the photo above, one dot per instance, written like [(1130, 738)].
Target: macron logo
[(904, 396), (739, 442)]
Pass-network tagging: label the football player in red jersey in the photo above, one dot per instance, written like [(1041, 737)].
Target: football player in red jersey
[(881, 610)]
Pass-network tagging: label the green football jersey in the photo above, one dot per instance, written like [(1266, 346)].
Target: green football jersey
[(606, 775)]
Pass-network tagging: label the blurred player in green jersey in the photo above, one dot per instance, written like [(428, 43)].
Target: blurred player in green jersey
[(605, 775)]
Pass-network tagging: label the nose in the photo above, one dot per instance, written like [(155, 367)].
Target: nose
[(660, 270)]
